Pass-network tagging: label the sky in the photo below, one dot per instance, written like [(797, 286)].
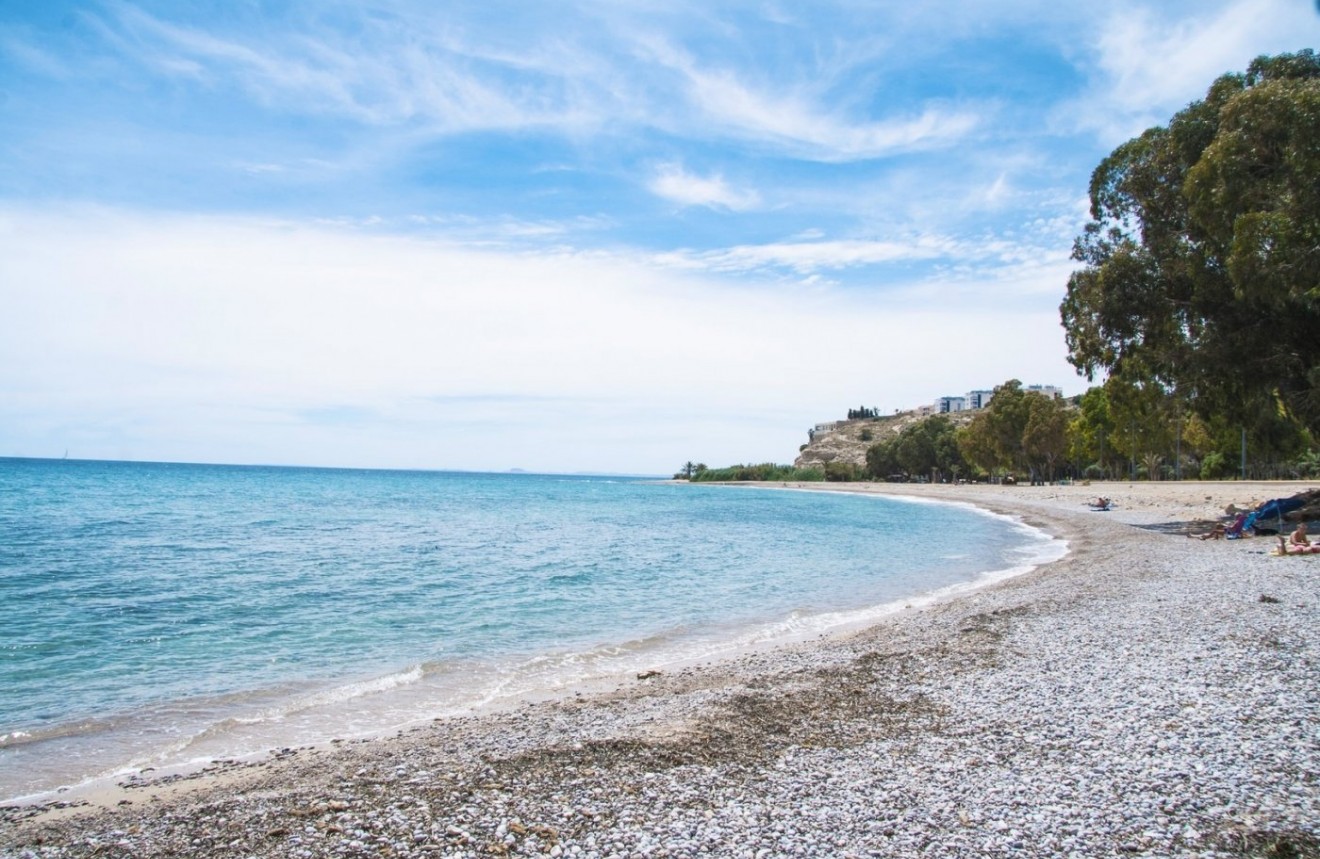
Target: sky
[(578, 236)]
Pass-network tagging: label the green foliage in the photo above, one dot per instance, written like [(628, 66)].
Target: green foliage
[(1020, 430), (1215, 466), (1201, 258), (881, 461), (762, 472), (1045, 437), (927, 448), (1090, 432), (842, 472)]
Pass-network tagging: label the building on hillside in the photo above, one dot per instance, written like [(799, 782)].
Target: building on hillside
[(978, 399), (944, 405), (828, 426), (1048, 390)]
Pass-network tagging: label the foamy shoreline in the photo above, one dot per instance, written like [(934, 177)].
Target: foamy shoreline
[(1147, 694)]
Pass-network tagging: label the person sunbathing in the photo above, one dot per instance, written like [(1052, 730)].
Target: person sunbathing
[(1298, 543), (1289, 548), (1298, 537)]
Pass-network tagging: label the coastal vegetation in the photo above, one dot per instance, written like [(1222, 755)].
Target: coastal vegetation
[(1198, 303), (763, 471), (1112, 431)]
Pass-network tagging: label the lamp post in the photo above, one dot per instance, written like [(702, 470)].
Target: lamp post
[(1177, 447)]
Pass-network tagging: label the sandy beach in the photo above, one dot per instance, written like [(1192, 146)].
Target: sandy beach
[(1147, 695)]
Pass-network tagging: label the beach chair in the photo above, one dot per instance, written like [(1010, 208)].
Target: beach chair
[(1241, 522)]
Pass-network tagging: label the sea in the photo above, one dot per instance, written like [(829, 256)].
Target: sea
[(164, 615)]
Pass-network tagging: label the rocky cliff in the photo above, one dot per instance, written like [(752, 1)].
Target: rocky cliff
[(849, 440)]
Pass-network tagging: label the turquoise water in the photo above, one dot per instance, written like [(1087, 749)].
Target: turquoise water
[(157, 614)]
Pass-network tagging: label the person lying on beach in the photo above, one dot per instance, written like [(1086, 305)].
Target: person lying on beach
[(1298, 537), (1287, 547), (1298, 543), (1100, 503)]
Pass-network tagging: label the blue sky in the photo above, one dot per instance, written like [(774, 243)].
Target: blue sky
[(603, 236)]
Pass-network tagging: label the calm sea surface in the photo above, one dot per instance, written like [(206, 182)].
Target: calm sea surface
[(160, 614)]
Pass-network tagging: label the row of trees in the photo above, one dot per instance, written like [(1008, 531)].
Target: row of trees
[(1019, 433), (1113, 431), (699, 472)]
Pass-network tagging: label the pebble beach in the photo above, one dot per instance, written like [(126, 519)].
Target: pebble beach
[(1147, 695)]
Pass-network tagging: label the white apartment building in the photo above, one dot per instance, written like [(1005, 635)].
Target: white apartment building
[(978, 399), (1048, 390), (944, 405)]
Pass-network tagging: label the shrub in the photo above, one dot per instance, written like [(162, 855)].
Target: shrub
[(1215, 466)]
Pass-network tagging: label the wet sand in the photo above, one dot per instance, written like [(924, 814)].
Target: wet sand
[(1146, 695)]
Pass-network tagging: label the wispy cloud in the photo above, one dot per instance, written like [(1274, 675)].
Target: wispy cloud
[(674, 183), (811, 257), (18, 46), (795, 119), (1149, 63), (386, 74)]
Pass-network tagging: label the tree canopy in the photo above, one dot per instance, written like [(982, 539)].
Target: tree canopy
[(1202, 259), (927, 448), (1020, 430)]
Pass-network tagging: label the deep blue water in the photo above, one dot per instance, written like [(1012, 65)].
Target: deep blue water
[(161, 613)]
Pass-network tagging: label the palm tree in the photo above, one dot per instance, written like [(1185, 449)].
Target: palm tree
[(688, 468), (1152, 463)]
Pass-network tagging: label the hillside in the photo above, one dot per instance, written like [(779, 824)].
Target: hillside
[(846, 444)]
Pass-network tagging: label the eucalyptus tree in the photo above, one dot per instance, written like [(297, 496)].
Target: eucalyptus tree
[(1018, 431), (1202, 260)]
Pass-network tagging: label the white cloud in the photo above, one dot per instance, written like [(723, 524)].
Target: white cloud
[(236, 340), (984, 259), (674, 183), (19, 47), (1149, 66), (449, 81), (386, 74), (791, 116), (808, 257)]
